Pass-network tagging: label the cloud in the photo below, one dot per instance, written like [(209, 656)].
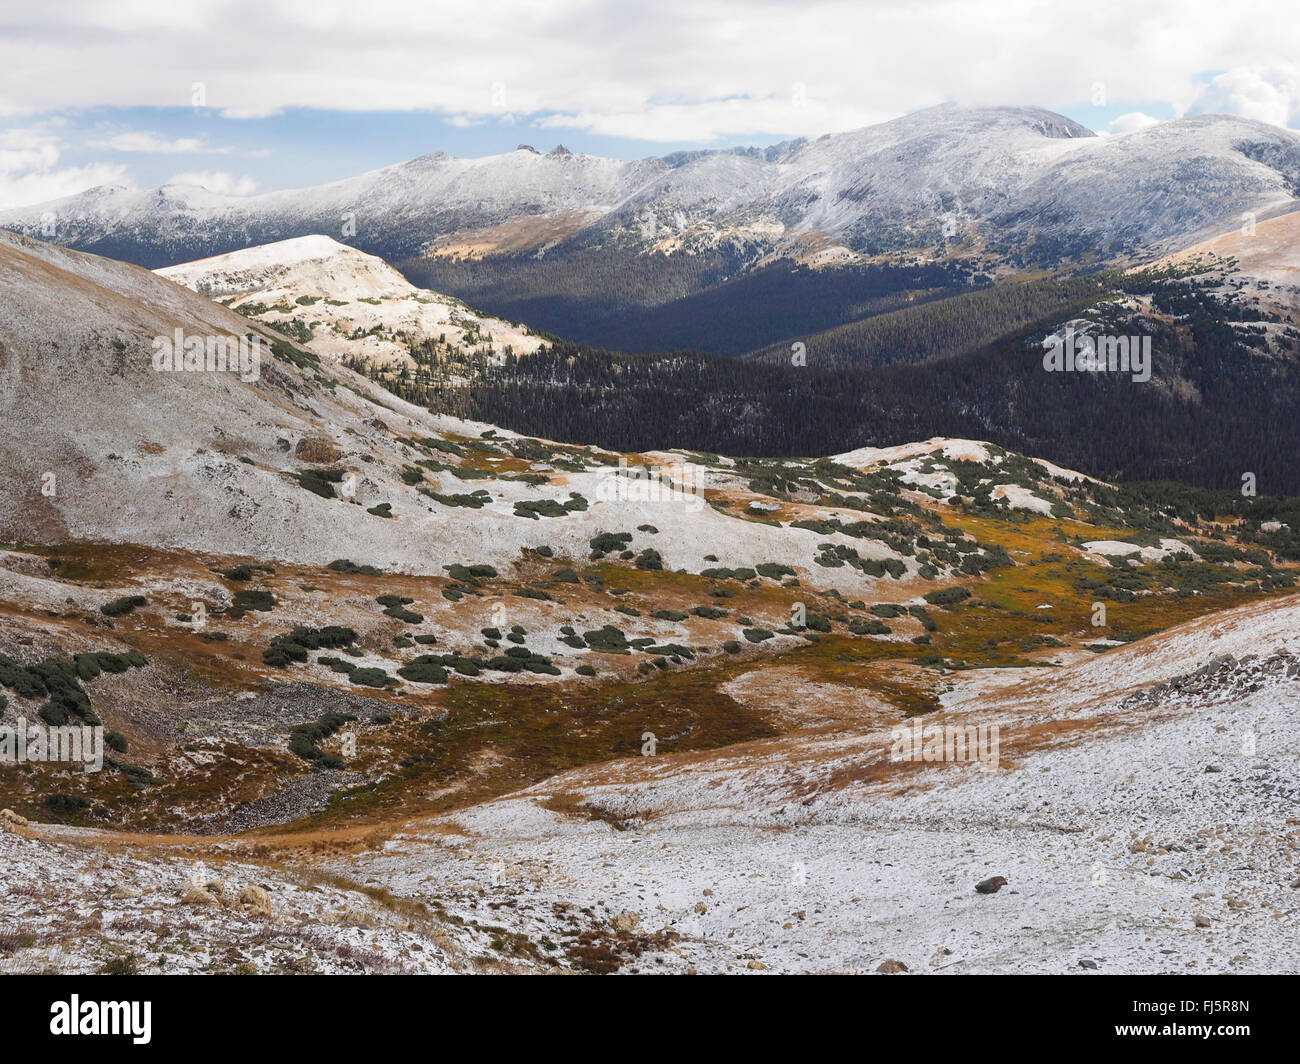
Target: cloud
[(708, 120), (692, 72), (688, 70), (217, 181), (30, 171), (1132, 122), (149, 142), (1267, 94)]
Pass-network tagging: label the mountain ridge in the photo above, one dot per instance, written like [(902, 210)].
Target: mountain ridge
[(1023, 180)]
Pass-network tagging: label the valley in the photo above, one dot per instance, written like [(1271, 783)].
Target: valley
[(445, 638)]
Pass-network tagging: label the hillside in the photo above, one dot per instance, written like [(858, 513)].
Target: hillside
[(1139, 811), (342, 304), (328, 632)]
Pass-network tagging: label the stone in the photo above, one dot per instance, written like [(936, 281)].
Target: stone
[(200, 897), (255, 898)]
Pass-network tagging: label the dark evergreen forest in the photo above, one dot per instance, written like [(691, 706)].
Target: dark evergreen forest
[(1224, 399)]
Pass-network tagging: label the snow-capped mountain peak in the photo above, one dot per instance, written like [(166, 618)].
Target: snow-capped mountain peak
[(1014, 180)]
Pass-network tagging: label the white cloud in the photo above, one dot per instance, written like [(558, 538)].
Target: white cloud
[(1268, 94), (673, 71), (148, 142), (217, 181), (1132, 122), (29, 170)]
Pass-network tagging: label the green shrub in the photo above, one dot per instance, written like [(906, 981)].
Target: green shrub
[(946, 596), (420, 671), (343, 565), (303, 738), (539, 508), (321, 481), (287, 352), (608, 639), (137, 776), (650, 560), (470, 574), (473, 501), (671, 650), (608, 542), (922, 615), (293, 645), (462, 665), (87, 666), (371, 677), (120, 607), (65, 804), (519, 659), (729, 574), (114, 663), (248, 599)]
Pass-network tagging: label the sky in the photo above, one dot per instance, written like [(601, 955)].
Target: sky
[(246, 97)]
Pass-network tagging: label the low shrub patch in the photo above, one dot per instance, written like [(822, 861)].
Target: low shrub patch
[(120, 607), (303, 738), (247, 599)]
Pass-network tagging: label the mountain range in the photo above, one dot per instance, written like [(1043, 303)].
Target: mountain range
[(1021, 181)]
